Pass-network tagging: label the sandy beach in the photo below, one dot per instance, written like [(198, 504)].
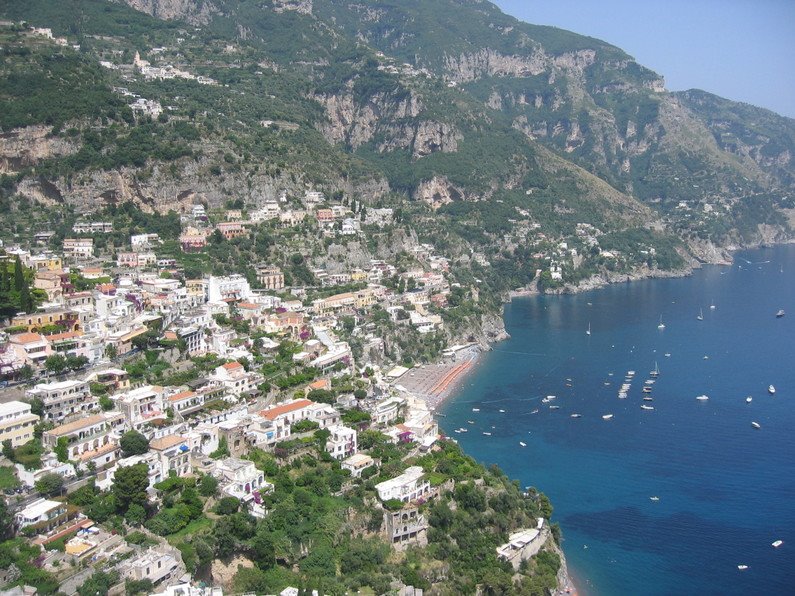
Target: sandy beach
[(434, 382)]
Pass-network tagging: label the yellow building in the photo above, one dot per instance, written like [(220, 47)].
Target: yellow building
[(16, 422)]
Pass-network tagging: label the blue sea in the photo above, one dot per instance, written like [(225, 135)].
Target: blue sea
[(726, 490)]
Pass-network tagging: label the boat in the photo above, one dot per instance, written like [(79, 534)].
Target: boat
[(464, 430), (712, 306), (576, 415), (630, 373), (523, 444), (554, 407), (771, 390), (777, 543), (476, 409), (488, 434), (470, 422), (656, 372), (749, 399), (645, 407), (649, 382), (661, 325), (458, 430), (548, 399), (607, 417), (534, 411), (588, 332), (702, 397), (502, 411), (756, 425), (780, 313), (622, 395), (668, 354), (647, 389), (647, 398), (742, 567), (700, 316), (654, 498)]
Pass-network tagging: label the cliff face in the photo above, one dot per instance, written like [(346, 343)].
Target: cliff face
[(25, 147)]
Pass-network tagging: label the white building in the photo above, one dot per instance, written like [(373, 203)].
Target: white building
[(42, 511), (155, 565), (236, 379), (231, 287), (16, 422), (409, 486), (141, 405), (342, 442), (174, 454), (356, 464), (63, 400), (78, 248)]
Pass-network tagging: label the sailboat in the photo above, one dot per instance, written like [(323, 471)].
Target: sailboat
[(589, 330), (712, 306), (661, 325), (700, 316), (655, 373)]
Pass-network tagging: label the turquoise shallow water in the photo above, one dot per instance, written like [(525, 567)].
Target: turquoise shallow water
[(726, 491)]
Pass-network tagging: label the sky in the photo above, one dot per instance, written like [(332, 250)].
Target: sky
[(742, 50)]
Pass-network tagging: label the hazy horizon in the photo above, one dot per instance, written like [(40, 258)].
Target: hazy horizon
[(737, 49)]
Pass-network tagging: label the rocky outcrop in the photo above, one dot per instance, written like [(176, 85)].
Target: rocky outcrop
[(438, 191), (195, 12), (355, 124), (422, 138), (490, 63), (302, 6), (24, 147), (224, 574)]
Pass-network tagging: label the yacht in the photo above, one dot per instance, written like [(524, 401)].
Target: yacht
[(742, 567), (630, 373), (756, 425), (645, 407), (702, 398), (771, 390), (647, 389), (476, 409), (661, 325), (502, 411), (749, 399), (576, 415), (647, 398), (488, 434), (700, 316), (780, 313), (458, 430), (777, 543), (607, 417), (654, 498)]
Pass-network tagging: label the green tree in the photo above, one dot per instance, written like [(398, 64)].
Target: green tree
[(133, 443), (61, 449), (98, 584), (136, 515), (8, 450), (262, 551), (55, 364), (50, 484), (130, 485), (208, 486)]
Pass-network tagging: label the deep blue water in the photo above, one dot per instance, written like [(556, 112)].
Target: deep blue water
[(726, 490)]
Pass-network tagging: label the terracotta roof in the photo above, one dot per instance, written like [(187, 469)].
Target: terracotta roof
[(232, 365), (166, 442), (276, 411), (182, 395), (26, 338), (71, 427), (85, 456), (63, 336), (319, 384)]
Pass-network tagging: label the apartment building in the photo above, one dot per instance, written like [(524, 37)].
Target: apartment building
[(16, 422)]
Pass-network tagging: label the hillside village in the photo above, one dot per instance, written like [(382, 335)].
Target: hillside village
[(142, 407)]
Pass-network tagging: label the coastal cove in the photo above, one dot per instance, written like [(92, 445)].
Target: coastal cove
[(722, 488)]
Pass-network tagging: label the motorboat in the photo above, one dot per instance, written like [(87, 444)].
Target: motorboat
[(476, 409), (702, 398), (756, 425), (645, 407), (607, 417), (771, 390), (780, 313), (554, 407), (661, 325), (488, 434), (647, 389), (777, 543), (502, 411), (470, 422), (523, 444), (534, 411), (749, 399), (742, 567), (576, 415), (654, 498), (647, 398)]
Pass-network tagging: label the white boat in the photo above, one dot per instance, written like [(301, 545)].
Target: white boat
[(771, 390), (649, 382), (622, 395), (502, 411), (534, 411), (749, 399), (656, 372), (700, 316), (712, 306), (756, 425), (588, 332), (458, 430), (780, 313), (742, 567), (576, 415), (464, 430), (523, 444), (607, 417), (647, 398), (661, 325), (470, 422), (630, 373), (647, 389), (702, 397), (554, 407), (488, 434), (645, 407), (668, 354), (476, 409), (777, 543), (654, 498)]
